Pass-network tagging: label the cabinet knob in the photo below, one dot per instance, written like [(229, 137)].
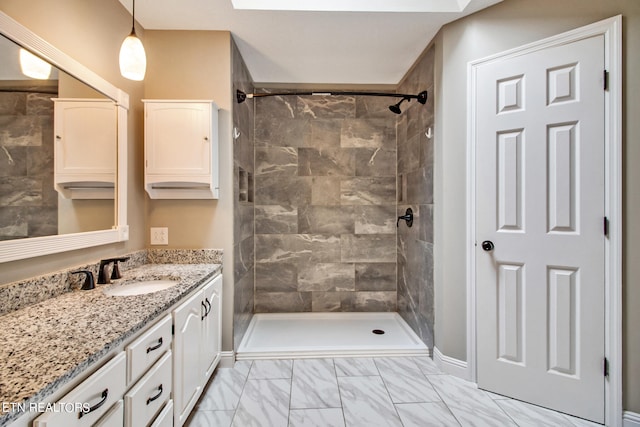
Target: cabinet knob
[(206, 138), (58, 137)]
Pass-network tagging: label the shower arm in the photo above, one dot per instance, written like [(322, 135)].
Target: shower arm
[(421, 97)]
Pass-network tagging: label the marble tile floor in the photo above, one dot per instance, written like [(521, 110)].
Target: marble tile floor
[(358, 392)]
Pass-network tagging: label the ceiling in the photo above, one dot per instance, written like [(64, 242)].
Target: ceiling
[(315, 46)]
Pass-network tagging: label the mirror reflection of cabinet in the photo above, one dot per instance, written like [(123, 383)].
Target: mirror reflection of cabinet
[(85, 141)]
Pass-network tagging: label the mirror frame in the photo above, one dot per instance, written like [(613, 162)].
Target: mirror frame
[(11, 250)]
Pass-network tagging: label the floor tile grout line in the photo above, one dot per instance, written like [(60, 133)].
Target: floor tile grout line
[(395, 408), (344, 418), (442, 399), (244, 385)]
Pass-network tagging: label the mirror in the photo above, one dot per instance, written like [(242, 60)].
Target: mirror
[(38, 156), (30, 154)]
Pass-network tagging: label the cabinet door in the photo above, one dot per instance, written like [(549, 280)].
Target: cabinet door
[(113, 418), (187, 378), (211, 337), (178, 138), (85, 137), (145, 400)]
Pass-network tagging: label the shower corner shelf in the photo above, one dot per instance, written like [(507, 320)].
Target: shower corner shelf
[(181, 149)]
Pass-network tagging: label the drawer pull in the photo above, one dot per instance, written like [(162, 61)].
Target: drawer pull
[(151, 399), (155, 347), (205, 310), (209, 308), (104, 396)]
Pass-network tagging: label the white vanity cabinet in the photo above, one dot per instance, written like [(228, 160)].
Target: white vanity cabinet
[(96, 394), (181, 149), (196, 346), (85, 147)]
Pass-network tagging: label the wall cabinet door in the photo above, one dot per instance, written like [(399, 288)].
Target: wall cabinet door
[(187, 379)]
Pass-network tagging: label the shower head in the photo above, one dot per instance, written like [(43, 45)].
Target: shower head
[(395, 108)]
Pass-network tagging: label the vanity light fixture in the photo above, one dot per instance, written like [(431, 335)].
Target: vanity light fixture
[(34, 67), (133, 60)]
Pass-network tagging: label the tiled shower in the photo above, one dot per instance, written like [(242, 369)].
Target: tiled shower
[(320, 181)]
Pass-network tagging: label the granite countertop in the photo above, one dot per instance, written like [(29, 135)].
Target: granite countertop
[(46, 345)]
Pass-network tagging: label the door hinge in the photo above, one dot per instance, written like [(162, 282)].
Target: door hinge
[(606, 226), (606, 80), (606, 367)]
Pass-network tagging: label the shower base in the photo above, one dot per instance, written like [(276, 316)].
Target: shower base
[(299, 335)]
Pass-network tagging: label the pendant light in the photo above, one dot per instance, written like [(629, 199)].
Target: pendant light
[(133, 60), (34, 67)]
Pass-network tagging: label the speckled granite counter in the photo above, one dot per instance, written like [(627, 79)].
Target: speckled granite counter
[(46, 345)]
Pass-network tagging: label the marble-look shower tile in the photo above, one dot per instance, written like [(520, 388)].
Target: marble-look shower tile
[(376, 276), (369, 133), (276, 277), (326, 162), (280, 132), (368, 191), (271, 369), (13, 161), (323, 133), (316, 417), (420, 186), (202, 418), (276, 161), (282, 190), (326, 219), (314, 384), (13, 103), (431, 414), (375, 162), (380, 219), (282, 302), (368, 247), (365, 402), (326, 107), (297, 248), (355, 367), (374, 107), (326, 277), (276, 219), (325, 190), (375, 301), (332, 301), (264, 403), (280, 107), (405, 382), (408, 152), (21, 131), (527, 415), (224, 390)]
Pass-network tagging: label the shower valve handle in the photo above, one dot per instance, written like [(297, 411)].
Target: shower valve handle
[(408, 217)]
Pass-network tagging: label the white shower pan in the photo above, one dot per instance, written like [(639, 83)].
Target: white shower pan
[(299, 335)]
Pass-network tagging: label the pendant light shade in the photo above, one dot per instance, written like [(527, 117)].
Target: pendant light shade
[(133, 60), (34, 67)]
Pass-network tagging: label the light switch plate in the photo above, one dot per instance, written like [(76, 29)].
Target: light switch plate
[(159, 235)]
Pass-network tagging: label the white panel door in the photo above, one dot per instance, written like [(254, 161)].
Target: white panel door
[(540, 202)]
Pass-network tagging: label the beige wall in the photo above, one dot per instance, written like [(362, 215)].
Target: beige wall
[(504, 26), (90, 31), (197, 65)]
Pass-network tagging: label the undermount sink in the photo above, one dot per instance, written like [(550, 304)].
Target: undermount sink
[(139, 287)]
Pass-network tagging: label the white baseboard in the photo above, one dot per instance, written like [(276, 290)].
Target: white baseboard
[(630, 419), (227, 359), (449, 365)]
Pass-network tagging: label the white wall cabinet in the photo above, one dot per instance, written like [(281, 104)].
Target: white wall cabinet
[(85, 147), (181, 149), (196, 346)]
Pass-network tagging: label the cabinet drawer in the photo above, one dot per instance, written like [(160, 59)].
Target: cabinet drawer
[(146, 398), (98, 392), (165, 419), (144, 351), (114, 417)]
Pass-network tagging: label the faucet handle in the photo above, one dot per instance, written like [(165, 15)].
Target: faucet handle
[(115, 271), (89, 283)]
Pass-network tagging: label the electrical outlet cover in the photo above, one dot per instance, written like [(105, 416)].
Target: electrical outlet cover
[(159, 236)]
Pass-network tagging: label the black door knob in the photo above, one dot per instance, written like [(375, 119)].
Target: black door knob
[(488, 245)]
